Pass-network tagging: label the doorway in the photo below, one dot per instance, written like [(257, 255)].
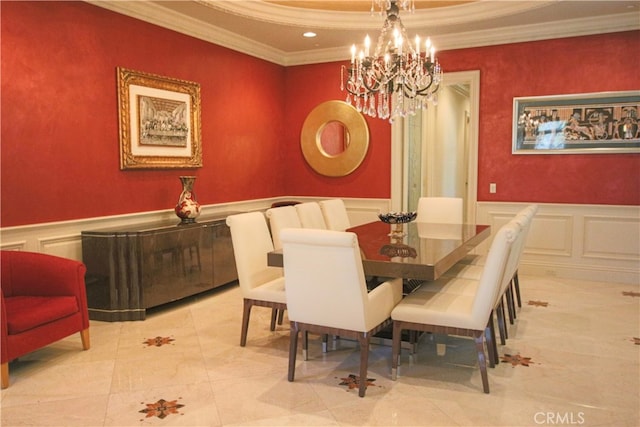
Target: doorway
[(435, 153)]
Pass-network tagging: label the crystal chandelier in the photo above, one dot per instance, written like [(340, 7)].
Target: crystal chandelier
[(400, 76)]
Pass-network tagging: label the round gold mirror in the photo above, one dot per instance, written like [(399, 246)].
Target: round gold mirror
[(334, 138)]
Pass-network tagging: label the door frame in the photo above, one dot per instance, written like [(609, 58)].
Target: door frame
[(399, 138)]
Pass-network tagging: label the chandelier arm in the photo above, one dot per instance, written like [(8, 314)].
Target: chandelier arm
[(372, 89), (423, 91)]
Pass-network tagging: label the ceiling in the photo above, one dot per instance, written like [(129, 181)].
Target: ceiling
[(272, 30)]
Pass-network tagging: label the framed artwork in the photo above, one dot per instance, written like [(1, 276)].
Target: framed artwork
[(591, 123), (159, 121)]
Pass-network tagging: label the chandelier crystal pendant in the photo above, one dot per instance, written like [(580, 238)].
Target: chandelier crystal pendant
[(398, 77)]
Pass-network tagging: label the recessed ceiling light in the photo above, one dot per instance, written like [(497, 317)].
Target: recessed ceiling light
[(309, 34)]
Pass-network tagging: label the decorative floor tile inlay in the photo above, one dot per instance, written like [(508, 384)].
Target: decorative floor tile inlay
[(539, 303), (516, 360), (158, 341), (631, 294), (353, 382), (162, 408)]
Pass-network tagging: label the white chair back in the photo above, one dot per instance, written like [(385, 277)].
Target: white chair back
[(335, 214), (523, 220), (440, 231), (444, 210), (324, 278), (493, 274), (513, 258), (251, 242), (281, 218), (310, 215)]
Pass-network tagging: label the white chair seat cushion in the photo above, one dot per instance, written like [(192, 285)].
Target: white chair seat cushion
[(436, 308), (466, 271), (270, 291), (472, 259), (453, 285)]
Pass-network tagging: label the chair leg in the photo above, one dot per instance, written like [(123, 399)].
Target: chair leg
[(293, 348), (516, 284), (86, 340), (280, 317), (363, 339), (502, 326), (305, 345), (274, 317), (490, 348), (395, 350), (509, 297), (245, 322), (513, 299), (493, 353), (482, 361), (5, 375)]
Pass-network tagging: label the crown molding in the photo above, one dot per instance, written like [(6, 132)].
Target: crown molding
[(331, 19), (163, 17), (548, 30), (515, 34), (159, 15)]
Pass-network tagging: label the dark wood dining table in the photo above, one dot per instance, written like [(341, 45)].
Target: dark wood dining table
[(416, 250)]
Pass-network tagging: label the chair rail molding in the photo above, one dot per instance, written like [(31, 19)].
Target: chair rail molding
[(64, 238), (587, 242)]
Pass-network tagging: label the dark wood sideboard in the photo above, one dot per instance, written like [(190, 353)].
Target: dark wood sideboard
[(133, 268)]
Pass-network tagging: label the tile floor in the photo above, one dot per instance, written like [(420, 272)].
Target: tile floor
[(572, 359)]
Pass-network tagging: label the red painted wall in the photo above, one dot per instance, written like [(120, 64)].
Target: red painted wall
[(59, 123), (308, 86), (607, 62), (59, 118), (561, 66)]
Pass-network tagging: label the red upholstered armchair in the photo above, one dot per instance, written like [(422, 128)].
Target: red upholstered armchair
[(43, 300)]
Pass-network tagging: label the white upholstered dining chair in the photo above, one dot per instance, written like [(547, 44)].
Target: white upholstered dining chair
[(471, 265), (310, 215), (474, 272), (327, 293), (458, 306), (281, 218), (443, 210), (260, 284), (335, 214)]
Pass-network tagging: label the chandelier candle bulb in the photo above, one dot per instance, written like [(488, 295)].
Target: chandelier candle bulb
[(367, 44)]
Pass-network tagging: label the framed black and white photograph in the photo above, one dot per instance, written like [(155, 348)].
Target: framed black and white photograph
[(604, 122), (159, 121)]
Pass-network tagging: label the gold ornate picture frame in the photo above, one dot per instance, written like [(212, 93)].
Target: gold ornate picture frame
[(159, 121)]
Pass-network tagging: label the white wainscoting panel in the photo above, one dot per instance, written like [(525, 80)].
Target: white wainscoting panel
[(589, 242), (613, 238)]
